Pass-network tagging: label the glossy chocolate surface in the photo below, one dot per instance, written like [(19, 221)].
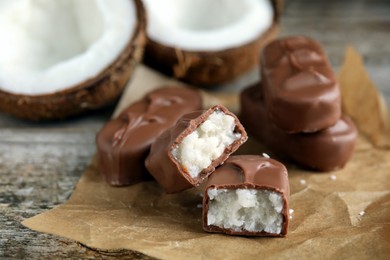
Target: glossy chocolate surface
[(299, 87), (249, 172), (124, 142), (164, 166), (325, 150)]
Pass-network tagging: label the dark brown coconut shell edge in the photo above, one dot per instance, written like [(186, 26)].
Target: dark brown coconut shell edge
[(90, 95), (210, 68)]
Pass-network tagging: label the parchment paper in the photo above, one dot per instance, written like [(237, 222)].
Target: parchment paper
[(362, 101), (338, 215)]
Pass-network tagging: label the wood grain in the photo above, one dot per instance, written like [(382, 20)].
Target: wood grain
[(41, 163)]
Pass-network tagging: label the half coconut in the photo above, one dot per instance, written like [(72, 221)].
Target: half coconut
[(207, 42), (61, 58)]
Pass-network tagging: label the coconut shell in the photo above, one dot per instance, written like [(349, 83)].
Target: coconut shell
[(92, 94), (210, 68)]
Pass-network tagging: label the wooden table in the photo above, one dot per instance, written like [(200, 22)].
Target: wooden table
[(40, 163)]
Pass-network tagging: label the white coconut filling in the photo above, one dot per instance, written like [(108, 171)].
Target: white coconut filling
[(198, 149), (245, 209), (49, 45), (205, 25)]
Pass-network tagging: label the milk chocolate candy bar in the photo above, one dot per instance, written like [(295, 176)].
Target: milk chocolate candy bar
[(124, 142), (325, 150), (188, 152), (300, 89), (248, 195)]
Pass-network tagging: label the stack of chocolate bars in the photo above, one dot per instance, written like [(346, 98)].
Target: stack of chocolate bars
[(296, 109)]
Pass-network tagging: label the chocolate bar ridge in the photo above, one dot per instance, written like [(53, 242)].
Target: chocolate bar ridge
[(124, 142), (300, 90)]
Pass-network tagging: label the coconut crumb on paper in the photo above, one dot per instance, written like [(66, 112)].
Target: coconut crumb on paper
[(302, 182), (291, 212), (360, 216), (333, 177)]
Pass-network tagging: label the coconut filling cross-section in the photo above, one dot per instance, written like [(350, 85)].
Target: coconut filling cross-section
[(198, 149), (253, 210)]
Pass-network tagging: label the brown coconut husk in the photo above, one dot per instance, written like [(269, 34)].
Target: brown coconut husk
[(210, 68)]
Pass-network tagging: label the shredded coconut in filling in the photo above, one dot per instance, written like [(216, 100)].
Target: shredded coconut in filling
[(198, 149), (245, 209)]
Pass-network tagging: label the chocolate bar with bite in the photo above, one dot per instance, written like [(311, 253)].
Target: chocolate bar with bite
[(300, 89), (248, 195), (188, 152), (325, 150), (124, 142)]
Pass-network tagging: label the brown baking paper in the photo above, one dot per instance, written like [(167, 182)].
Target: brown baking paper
[(362, 100), (343, 214)]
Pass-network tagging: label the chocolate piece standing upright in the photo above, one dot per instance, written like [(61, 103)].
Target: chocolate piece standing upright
[(188, 152), (248, 195), (124, 142), (325, 150), (299, 87)]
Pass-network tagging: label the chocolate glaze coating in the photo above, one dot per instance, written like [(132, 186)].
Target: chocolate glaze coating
[(167, 170), (325, 150), (299, 87), (249, 172), (124, 142)]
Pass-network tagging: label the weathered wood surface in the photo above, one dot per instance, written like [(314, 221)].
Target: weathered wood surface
[(41, 163)]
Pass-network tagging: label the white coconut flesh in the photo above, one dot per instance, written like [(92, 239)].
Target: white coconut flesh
[(198, 149), (204, 25), (51, 45)]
